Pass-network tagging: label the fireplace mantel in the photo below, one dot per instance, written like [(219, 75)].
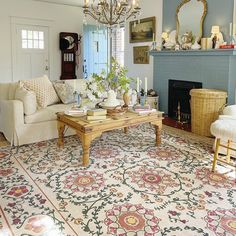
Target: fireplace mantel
[(212, 52), (215, 69)]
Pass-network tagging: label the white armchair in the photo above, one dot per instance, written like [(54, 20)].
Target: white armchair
[(224, 129)]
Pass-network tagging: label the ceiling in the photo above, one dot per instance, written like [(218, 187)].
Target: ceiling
[(64, 2)]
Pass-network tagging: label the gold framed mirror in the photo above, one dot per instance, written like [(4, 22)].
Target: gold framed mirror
[(190, 15)]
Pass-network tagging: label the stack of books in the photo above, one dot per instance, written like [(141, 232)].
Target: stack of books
[(139, 109), (75, 112), (96, 115)]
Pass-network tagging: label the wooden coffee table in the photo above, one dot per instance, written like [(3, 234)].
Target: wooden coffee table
[(87, 132)]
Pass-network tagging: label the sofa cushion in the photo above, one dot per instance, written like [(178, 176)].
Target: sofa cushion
[(28, 98), (44, 90), (47, 114), (64, 91)]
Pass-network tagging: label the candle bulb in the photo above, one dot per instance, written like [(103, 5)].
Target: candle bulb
[(137, 84), (145, 85)]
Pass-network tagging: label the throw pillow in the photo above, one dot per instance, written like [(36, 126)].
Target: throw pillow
[(44, 90), (28, 98), (64, 92)]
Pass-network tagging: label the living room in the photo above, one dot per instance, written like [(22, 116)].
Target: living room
[(90, 148)]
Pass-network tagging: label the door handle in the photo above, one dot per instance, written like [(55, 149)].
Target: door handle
[(46, 68)]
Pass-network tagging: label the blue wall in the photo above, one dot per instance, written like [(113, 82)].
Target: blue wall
[(219, 12)]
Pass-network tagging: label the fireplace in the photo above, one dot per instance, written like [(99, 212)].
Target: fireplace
[(178, 99)]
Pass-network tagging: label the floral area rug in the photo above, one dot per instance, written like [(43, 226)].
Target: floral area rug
[(3, 141), (131, 188)]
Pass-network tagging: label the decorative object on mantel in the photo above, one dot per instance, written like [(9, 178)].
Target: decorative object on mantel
[(206, 43), (164, 37), (217, 37), (196, 46), (186, 40), (143, 30), (186, 21), (170, 41), (141, 55)]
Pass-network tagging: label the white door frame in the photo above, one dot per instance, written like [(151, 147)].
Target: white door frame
[(31, 22)]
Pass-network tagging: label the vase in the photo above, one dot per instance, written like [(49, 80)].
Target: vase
[(126, 98), (111, 100)]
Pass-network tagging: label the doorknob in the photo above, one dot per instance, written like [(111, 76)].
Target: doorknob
[(46, 68)]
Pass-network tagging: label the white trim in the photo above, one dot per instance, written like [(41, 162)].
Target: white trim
[(33, 22)]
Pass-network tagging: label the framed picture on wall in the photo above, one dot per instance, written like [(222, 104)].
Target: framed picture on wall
[(143, 30), (141, 55)]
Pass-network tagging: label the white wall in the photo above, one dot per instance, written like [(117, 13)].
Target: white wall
[(149, 8), (63, 19)]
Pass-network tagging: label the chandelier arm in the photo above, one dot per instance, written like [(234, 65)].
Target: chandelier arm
[(122, 13), (92, 15), (105, 16)]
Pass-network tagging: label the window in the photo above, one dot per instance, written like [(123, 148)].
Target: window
[(118, 45), (32, 39)]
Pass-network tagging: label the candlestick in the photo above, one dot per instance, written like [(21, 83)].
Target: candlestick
[(153, 37), (145, 85), (138, 89)]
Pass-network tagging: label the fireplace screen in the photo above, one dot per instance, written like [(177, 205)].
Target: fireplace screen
[(179, 99)]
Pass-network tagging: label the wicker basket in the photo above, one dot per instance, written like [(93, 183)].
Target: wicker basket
[(205, 106)]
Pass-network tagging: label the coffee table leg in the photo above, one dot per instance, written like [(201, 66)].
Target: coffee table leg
[(86, 141), (158, 135), (61, 129), (126, 129)]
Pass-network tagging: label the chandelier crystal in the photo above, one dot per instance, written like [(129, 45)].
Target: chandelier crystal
[(112, 13)]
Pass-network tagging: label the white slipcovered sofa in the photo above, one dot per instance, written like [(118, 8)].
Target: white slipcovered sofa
[(19, 128)]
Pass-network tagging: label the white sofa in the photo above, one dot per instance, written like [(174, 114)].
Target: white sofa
[(19, 128)]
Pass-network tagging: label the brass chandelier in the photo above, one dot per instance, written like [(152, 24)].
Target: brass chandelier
[(112, 13)]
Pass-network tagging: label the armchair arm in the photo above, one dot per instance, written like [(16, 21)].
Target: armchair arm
[(227, 117), (230, 110), (11, 117)]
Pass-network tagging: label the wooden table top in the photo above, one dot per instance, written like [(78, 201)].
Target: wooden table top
[(125, 120)]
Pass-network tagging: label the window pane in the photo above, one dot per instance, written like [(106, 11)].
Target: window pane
[(24, 43), (36, 44), (30, 34), (36, 34), (30, 43), (41, 35), (24, 34), (41, 44)]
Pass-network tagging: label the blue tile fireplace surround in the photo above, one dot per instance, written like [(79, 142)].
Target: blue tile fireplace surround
[(215, 69)]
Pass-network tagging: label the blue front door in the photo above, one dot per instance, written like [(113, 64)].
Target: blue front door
[(95, 45)]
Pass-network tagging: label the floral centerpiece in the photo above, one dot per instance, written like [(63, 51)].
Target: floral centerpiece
[(99, 85)]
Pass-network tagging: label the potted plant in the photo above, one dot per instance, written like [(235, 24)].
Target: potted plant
[(117, 81)]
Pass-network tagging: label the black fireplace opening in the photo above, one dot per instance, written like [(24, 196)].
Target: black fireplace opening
[(179, 99)]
